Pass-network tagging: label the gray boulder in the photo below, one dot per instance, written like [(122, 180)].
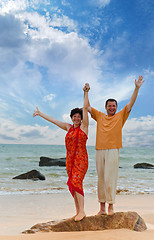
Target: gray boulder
[(33, 174), (144, 165), (46, 161)]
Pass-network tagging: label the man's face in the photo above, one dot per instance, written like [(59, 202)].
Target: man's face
[(111, 108)]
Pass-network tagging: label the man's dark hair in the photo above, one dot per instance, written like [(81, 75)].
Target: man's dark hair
[(76, 110), (111, 100)]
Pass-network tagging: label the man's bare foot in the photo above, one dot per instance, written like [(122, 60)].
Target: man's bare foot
[(110, 211), (102, 209), (101, 212), (79, 217)]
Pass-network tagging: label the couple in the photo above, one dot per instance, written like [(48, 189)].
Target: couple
[(108, 142)]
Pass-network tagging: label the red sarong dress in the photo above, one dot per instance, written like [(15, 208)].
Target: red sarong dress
[(76, 159)]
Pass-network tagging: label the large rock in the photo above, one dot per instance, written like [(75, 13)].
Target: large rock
[(144, 165), (46, 161), (129, 220), (33, 174)]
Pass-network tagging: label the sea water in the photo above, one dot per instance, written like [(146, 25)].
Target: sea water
[(18, 159)]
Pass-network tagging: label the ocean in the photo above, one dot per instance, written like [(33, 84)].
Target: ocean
[(16, 159)]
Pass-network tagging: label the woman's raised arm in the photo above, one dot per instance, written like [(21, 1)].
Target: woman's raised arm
[(85, 121), (63, 125)]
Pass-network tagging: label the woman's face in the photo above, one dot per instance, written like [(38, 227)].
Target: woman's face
[(76, 119)]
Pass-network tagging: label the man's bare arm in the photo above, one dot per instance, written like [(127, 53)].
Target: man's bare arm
[(138, 84)]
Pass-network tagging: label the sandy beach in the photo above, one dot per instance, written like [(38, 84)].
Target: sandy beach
[(20, 212)]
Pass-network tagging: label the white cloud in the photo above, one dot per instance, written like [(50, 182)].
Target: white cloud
[(13, 6), (100, 3), (65, 3), (120, 89), (63, 21), (30, 41), (11, 132), (66, 118), (64, 54), (115, 49), (8, 6), (21, 81), (137, 132), (49, 97), (148, 73), (3, 104), (67, 57)]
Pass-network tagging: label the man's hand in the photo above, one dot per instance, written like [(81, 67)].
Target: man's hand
[(139, 82)]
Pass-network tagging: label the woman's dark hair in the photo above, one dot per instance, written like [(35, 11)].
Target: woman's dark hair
[(111, 100), (76, 110)]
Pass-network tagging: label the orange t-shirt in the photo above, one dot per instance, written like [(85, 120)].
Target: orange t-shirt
[(109, 128)]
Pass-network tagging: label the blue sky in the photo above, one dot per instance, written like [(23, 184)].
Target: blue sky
[(49, 49)]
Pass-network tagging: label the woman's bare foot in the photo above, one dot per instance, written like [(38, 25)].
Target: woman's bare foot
[(101, 212), (70, 218), (79, 217)]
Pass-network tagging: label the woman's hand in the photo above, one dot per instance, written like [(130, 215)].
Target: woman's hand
[(36, 112), (86, 87)]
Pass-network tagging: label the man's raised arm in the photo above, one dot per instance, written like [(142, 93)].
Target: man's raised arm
[(138, 84)]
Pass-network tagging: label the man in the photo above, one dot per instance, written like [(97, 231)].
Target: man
[(108, 143)]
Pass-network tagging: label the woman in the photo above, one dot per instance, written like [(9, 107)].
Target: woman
[(76, 157)]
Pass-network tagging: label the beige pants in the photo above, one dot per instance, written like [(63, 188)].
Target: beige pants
[(107, 165)]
